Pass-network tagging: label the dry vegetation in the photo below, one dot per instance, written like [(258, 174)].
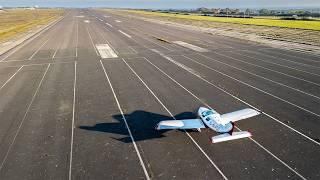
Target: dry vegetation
[(289, 34), (17, 21), (296, 24)]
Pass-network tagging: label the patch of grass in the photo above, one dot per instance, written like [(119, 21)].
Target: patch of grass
[(297, 24), (18, 21)]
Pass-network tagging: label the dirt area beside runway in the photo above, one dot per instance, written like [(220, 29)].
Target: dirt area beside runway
[(287, 38), (16, 22)]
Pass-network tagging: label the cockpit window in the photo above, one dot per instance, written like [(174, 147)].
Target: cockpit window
[(207, 113)]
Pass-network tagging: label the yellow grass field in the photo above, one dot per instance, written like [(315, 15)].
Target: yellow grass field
[(299, 24), (16, 21)]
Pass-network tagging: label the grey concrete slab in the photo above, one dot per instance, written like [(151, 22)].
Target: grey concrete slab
[(15, 97), (98, 153), (6, 73), (44, 136), (283, 77)]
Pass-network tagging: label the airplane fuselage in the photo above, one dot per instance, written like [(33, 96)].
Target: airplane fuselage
[(213, 120)]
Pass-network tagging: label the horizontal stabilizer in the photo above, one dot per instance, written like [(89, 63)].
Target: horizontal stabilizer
[(228, 137), (239, 115), (181, 124)]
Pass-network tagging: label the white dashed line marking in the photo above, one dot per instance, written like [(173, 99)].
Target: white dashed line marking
[(125, 34), (191, 46), (109, 25)]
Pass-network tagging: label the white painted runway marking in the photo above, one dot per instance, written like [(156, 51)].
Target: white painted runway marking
[(135, 51), (169, 112), (86, 21), (176, 63), (262, 77), (24, 117), (107, 16), (293, 50), (289, 67), (104, 38), (252, 64), (94, 47), (118, 21), (11, 78), (125, 34), (55, 52), (283, 59), (200, 100), (21, 60), (127, 126), (72, 123), (77, 38), (316, 61), (106, 51), (38, 49), (191, 46), (109, 25), (41, 64)]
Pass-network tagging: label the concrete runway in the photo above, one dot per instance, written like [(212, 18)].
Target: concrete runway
[(68, 113)]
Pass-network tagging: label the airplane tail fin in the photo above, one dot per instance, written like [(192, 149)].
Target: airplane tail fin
[(228, 137)]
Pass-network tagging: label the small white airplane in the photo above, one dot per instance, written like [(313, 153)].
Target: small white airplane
[(222, 124)]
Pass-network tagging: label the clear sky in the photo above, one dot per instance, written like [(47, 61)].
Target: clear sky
[(165, 3)]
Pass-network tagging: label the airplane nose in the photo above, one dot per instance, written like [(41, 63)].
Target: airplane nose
[(201, 109)]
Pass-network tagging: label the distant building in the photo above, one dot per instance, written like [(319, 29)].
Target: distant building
[(216, 11), (32, 7), (226, 11), (235, 11)]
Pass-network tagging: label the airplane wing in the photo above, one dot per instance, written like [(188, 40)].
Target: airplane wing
[(181, 124), (228, 137), (239, 115)]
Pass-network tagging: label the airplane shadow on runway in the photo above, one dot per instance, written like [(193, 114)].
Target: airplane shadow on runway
[(141, 123)]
